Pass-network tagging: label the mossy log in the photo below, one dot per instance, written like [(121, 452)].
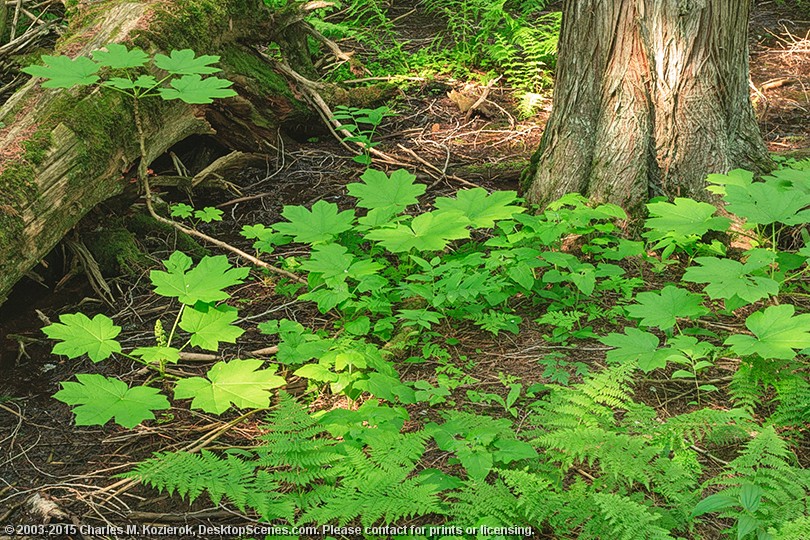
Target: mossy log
[(63, 152)]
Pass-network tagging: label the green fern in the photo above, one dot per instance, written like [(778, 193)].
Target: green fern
[(629, 520), (793, 402), (765, 467)]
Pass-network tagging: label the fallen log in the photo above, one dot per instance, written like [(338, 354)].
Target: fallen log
[(63, 152)]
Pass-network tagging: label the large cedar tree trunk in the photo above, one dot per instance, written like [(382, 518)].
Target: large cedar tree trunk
[(64, 152), (651, 95)]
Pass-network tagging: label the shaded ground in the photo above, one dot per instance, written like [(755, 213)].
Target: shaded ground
[(41, 451)]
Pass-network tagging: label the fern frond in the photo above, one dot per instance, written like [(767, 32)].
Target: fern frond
[(190, 474), (793, 402), (768, 463), (797, 529), (691, 428), (627, 519)]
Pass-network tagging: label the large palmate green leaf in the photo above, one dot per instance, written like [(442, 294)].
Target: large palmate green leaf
[(100, 398), (62, 72), (636, 346), (238, 382), (778, 333), (203, 283), (683, 218), (393, 193), (184, 62), (318, 226), (726, 278), (764, 203), (482, 209), (430, 231), (663, 309), (195, 90), (335, 264), (210, 325), (80, 335), (117, 56)]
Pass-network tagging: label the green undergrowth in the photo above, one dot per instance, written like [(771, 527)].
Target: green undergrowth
[(480, 40), (708, 305)]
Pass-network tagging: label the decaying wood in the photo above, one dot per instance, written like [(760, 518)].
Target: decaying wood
[(63, 152)]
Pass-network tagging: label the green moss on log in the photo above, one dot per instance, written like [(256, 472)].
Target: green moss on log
[(117, 252), (18, 186)]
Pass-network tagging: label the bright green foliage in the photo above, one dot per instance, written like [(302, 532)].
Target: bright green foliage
[(185, 62), (208, 214), (183, 67), (681, 223), (353, 119), (63, 72), (157, 354), (764, 203), (182, 210), (431, 231), (482, 209), (778, 333), (727, 278), (297, 345), (117, 56), (636, 346), (203, 283), (763, 487), (238, 382), (100, 399), (318, 226), (195, 90), (209, 325), (80, 335), (381, 192), (662, 309), (584, 460), (479, 442)]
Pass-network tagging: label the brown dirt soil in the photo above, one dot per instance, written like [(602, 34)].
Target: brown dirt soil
[(42, 453)]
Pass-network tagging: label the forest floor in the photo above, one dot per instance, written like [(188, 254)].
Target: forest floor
[(49, 466)]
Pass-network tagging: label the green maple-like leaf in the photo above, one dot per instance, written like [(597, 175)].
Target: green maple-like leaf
[(297, 344), (662, 309), (100, 398), (636, 346), (238, 382), (210, 325), (764, 203), (117, 56), (319, 226), (204, 283), (184, 62), (482, 209), (778, 333), (209, 214), (157, 354), (194, 89), (62, 72), (736, 177), (80, 335), (393, 193), (335, 264), (683, 218), (726, 278), (430, 231), (182, 210)]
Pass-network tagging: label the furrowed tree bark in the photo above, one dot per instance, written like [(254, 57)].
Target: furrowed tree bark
[(63, 152), (650, 97)]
